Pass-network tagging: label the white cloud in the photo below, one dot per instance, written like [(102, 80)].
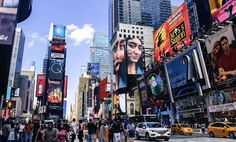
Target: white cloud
[(34, 38), (78, 35)]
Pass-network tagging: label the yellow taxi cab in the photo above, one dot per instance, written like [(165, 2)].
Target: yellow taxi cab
[(223, 129), (181, 129)]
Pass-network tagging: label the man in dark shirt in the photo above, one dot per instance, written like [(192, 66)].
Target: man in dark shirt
[(91, 130), (227, 62)]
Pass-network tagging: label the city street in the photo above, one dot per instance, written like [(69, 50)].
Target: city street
[(194, 138)]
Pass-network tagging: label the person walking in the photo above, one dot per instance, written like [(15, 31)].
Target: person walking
[(39, 135), (81, 131), (21, 132), (101, 131), (50, 134), (106, 133), (131, 131), (12, 134), (5, 131), (73, 125), (62, 135), (91, 131), (29, 131)]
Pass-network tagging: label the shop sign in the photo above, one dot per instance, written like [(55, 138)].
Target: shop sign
[(223, 107)]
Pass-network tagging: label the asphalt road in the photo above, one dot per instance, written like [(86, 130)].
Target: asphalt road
[(193, 138)]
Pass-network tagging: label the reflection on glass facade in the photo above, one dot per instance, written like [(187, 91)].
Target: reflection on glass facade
[(155, 12), (99, 53)]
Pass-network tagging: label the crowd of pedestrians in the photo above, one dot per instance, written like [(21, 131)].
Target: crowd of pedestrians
[(116, 130)]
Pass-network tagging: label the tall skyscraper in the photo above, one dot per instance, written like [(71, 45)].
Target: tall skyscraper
[(123, 11), (99, 53), (139, 12), (155, 12), (30, 73), (16, 58)]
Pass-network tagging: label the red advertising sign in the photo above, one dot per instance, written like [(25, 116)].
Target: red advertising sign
[(172, 33), (54, 91), (103, 93), (65, 86), (58, 47), (40, 87), (222, 9)]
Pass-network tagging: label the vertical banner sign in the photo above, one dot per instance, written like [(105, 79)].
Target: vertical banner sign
[(40, 86), (8, 12), (65, 86), (174, 32)]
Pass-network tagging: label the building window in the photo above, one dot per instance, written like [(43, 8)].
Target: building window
[(128, 31), (133, 32), (141, 32), (131, 108), (124, 30), (137, 32), (120, 35), (124, 36)]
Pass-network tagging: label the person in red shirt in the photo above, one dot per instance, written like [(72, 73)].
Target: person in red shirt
[(227, 62)]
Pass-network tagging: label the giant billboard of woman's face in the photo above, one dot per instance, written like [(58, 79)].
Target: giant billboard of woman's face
[(134, 56)]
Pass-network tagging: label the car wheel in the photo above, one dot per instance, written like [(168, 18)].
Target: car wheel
[(137, 136), (181, 133), (173, 132), (147, 137), (166, 139), (231, 135), (211, 134)]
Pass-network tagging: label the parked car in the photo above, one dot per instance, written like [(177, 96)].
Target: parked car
[(222, 129), (152, 130), (182, 129)]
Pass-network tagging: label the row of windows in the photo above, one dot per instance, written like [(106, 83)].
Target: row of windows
[(129, 36), (137, 32)]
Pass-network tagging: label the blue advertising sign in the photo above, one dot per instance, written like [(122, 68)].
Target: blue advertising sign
[(186, 70), (93, 69), (59, 32), (8, 93)]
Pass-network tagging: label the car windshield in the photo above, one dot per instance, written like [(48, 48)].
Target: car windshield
[(231, 124), (185, 126), (153, 125)]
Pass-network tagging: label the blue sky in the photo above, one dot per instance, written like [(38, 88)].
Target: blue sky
[(82, 18)]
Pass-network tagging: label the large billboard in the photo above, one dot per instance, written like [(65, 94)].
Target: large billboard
[(93, 69), (58, 33), (222, 9), (54, 91), (186, 70), (119, 64), (56, 69), (120, 103), (102, 89), (134, 54), (8, 12), (58, 47), (221, 48), (174, 32), (40, 86)]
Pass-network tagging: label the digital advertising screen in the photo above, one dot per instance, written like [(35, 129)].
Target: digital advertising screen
[(221, 10), (155, 83), (7, 24), (102, 89), (57, 47), (119, 64), (134, 54), (172, 34), (137, 102), (120, 103), (56, 69), (65, 86), (9, 6), (187, 69), (59, 33), (144, 97), (54, 91), (221, 48), (40, 87), (57, 55), (93, 68)]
